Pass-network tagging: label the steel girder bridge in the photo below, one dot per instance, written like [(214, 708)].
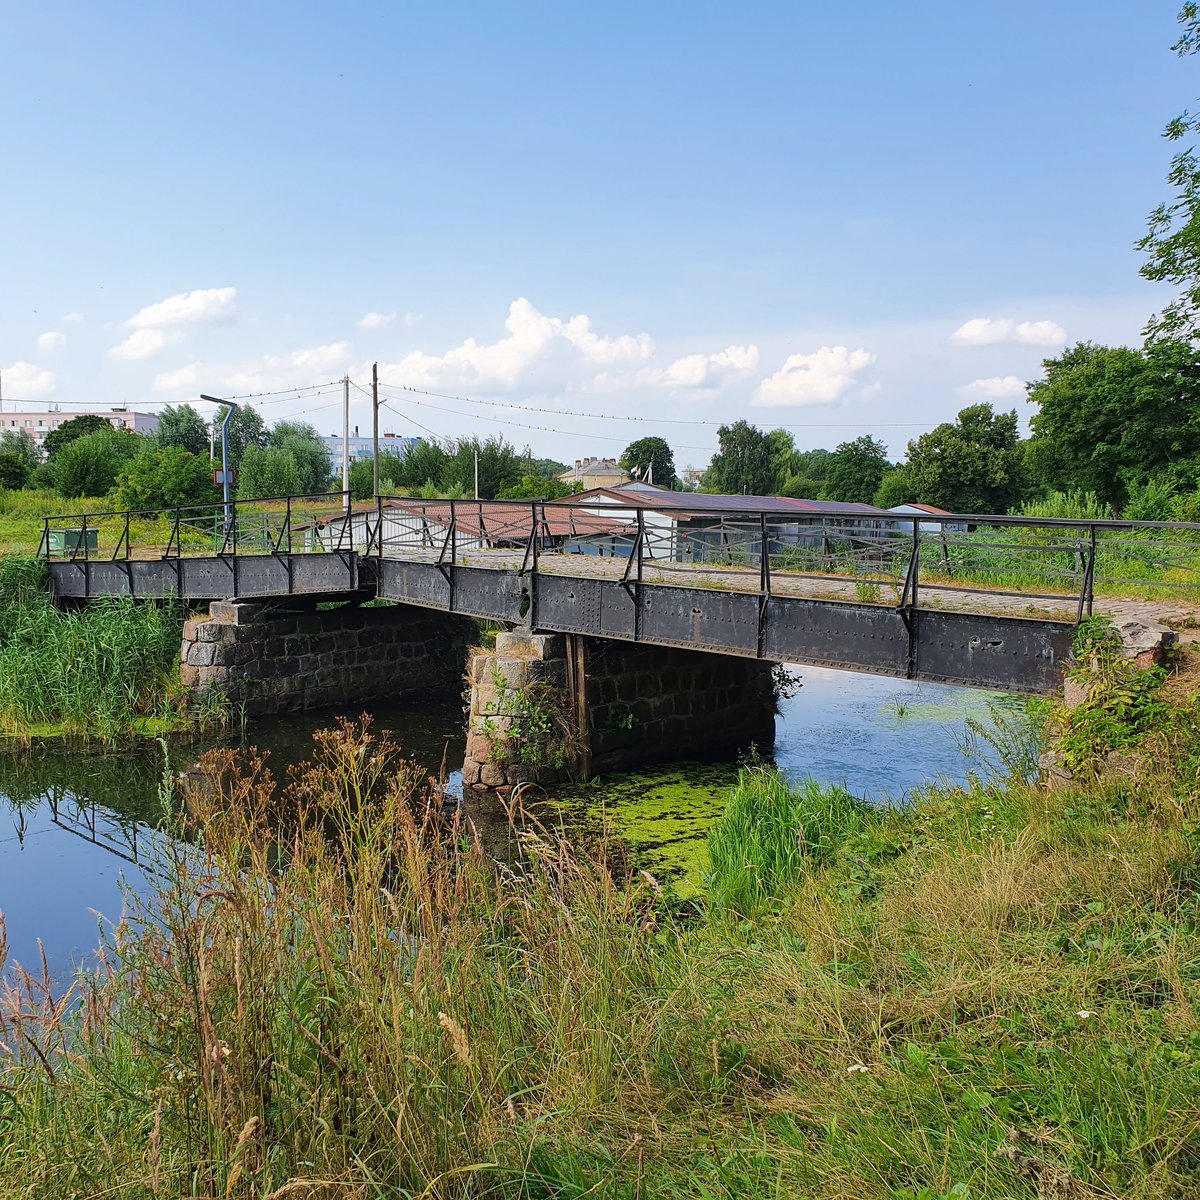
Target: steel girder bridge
[(982, 601)]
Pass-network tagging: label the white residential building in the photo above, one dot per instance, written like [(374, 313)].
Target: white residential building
[(39, 424)]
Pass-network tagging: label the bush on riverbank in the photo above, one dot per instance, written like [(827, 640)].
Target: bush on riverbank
[(102, 671), (991, 994)]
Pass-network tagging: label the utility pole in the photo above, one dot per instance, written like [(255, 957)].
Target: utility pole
[(230, 408), (375, 410), (346, 441)]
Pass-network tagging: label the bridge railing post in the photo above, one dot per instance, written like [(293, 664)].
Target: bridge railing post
[(1088, 585), (916, 561), (44, 547)]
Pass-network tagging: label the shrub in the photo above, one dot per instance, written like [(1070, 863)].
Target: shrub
[(165, 478)]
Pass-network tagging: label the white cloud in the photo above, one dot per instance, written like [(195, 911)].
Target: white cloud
[(377, 320), (177, 380), (50, 341), (73, 317), (24, 381), (291, 370), (539, 352), (205, 306), (413, 319), (700, 370), (996, 388), (823, 377), (988, 331), (142, 343)]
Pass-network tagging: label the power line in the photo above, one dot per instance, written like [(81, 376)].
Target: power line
[(647, 420)]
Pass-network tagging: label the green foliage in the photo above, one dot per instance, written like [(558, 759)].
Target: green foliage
[(975, 465), (300, 440), (362, 480), (1172, 239), (1122, 704), (772, 835), (538, 731), (535, 487), (89, 465), (68, 431), (743, 464), (18, 458), (14, 471), (855, 471), (425, 461), (246, 429), (895, 487), (269, 472), (1109, 419), (1074, 506), (164, 478), (500, 467), (184, 428), (96, 671), (989, 992), (650, 458)]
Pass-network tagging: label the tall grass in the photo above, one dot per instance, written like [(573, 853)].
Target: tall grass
[(772, 834), (96, 671), (335, 993)]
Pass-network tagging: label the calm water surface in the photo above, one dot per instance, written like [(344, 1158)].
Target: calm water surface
[(74, 824)]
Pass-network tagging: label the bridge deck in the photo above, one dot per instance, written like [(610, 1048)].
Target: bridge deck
[(982, 601)]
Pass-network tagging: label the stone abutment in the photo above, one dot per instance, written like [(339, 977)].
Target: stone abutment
[(273, 660)]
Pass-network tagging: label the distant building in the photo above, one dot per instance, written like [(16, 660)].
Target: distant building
[(595, 473), (928, 510), (363, 448), (39, 424)]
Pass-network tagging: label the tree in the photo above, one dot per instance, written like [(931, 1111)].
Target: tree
[(1109, 418), (1172, 240), (896, 487), (89, 465), (14, 471), (18, 442), (783, 456), (650, 457), (68, 431), (537, 487), (18, 457), (246, 429), (305, 446), (426, 462), (549, 467), (267, 472), (165, 477), (183, 427), (742, 465), (499, 467), (856, 470), (975, 465)]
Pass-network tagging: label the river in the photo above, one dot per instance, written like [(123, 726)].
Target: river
[(74, 825)]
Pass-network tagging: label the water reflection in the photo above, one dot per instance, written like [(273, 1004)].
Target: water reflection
[(74, 825)]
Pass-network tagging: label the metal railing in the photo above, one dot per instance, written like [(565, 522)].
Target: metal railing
[(839, 553)]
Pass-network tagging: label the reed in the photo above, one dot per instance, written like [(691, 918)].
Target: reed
[(100, 671)]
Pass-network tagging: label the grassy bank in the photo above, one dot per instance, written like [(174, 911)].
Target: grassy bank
[(103, 671), (991, 994)]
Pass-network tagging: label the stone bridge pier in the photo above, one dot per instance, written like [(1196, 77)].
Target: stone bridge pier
[(550, 707)]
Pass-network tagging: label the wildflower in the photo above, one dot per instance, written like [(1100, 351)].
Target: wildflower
[(857, 1069), (1084, 1013)]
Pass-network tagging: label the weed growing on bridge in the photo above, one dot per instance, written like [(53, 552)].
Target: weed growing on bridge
[(991, 993)]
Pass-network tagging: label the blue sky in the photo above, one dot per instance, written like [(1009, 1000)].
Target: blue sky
[(842, 219)]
